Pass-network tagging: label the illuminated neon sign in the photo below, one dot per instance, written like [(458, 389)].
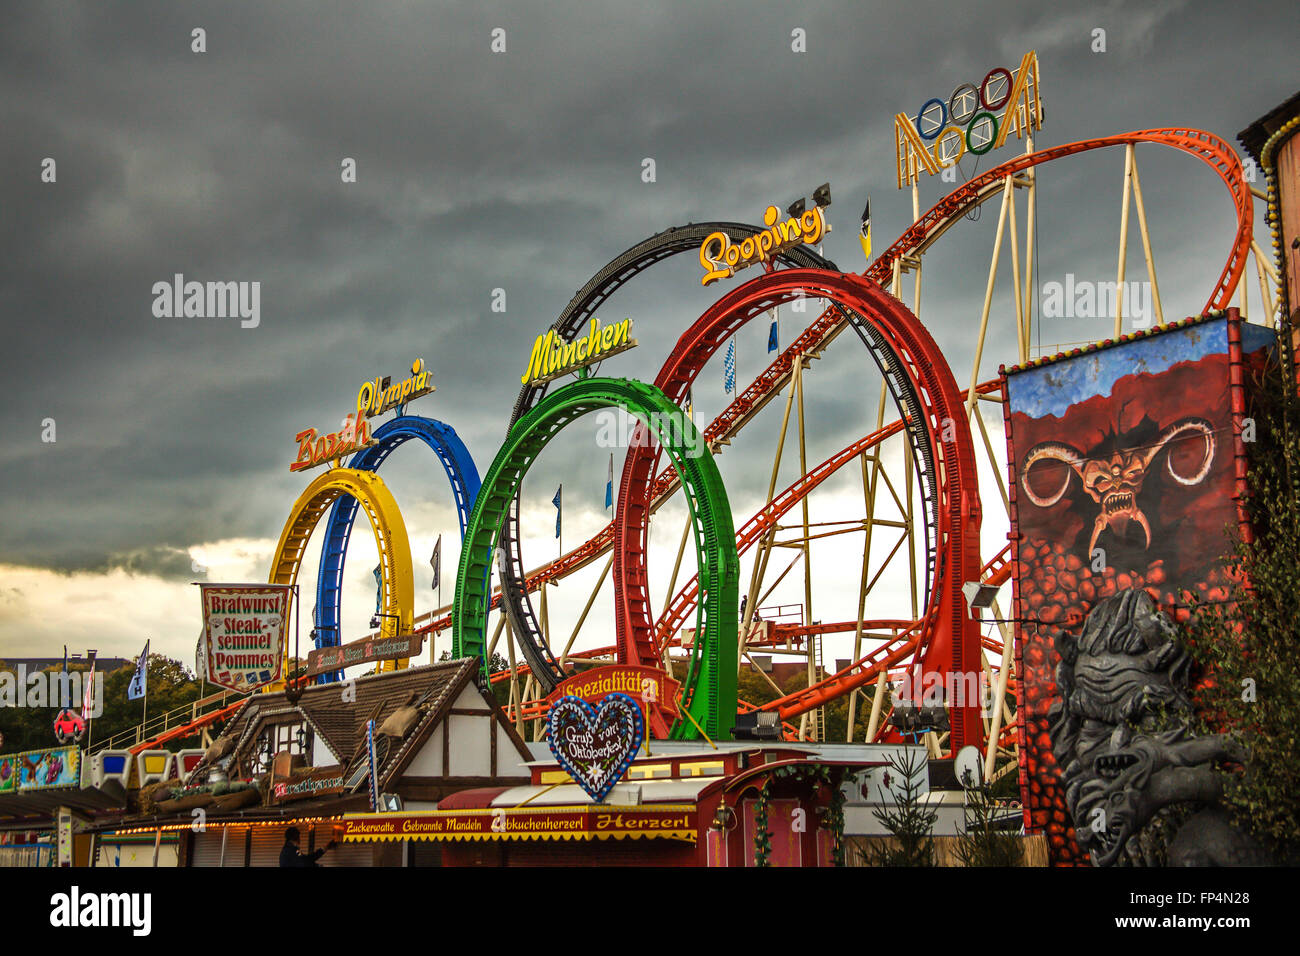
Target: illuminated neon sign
[(375, 398), (968, 121), (315, 449), (553, 357), (721, 258)]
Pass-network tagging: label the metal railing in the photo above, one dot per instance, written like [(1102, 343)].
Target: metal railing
[(156, 725)]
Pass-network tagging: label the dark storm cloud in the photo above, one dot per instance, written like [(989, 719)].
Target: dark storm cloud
[(478, 171)]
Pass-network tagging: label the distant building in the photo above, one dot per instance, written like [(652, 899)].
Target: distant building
[(75, 662)]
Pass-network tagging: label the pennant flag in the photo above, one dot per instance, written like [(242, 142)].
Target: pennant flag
[(436, 561), (379, 587), (729, 368), (772, 332), (139, 680), (200, 658), (88, 697), (690, 403), (609, 484), (864, 234), (558, 510)]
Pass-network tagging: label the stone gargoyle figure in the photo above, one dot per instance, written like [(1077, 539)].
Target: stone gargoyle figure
[(1121, 735)]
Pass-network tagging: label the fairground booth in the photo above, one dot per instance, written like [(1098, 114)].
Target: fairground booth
[(677, 804), (304, 759)]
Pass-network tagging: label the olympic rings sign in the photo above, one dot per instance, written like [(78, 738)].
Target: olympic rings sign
[(967, 120)]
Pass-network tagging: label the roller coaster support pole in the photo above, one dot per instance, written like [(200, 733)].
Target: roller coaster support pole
[(869, 501), (764, 548), (516, 699), (582, 618), (988, 296), (814, 717), (496, 636), (989, 683), (531, 692), (546, 618), (677, 565), (1031, 210), (1015, 273), (1243, 300), (1000, 695), (997, 469), (877, 703), (1262, 266), (1146, 242), (1123, 240), (916, 282)]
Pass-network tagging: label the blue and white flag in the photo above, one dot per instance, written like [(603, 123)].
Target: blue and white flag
[(609, 485), (772, 332), (379, 587), (558, 510), (436, 561), (139, 680), (729, 368)]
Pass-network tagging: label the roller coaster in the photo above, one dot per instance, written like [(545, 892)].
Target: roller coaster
[(937, 420)]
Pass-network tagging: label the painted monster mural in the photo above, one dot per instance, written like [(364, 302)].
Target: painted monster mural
[(1125, 462), (1114, 471)]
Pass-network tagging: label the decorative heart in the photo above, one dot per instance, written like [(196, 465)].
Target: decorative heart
[(595, 746)]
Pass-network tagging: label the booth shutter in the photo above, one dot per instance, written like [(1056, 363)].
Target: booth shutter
[(207, 848), (344, 854), (267, 843), (348, 854)]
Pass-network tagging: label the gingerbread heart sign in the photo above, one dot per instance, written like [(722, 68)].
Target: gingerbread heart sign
[(595, 745)]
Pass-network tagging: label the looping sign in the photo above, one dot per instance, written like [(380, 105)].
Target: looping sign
[(968, 120), (595, 745), (721, 258)]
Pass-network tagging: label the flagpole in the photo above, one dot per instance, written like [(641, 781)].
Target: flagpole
[(89, 694)]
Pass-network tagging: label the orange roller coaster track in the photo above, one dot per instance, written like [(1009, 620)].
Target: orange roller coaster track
[(1210, 149)]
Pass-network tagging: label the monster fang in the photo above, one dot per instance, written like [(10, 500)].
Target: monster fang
[(1115, 482)]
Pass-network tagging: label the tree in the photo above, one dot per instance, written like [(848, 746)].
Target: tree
[(170, 685), (982, 843), (908, 820)]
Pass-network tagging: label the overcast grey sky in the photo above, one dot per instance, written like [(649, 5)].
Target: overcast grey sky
[(477, 170)]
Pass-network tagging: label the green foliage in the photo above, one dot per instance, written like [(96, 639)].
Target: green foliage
[(762, 835), (907, 820), (982, 844), (753, 687), (837, 717), (1247, 645), (170, 686)]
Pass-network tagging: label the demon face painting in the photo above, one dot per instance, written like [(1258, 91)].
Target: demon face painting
[(1113, 471)]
